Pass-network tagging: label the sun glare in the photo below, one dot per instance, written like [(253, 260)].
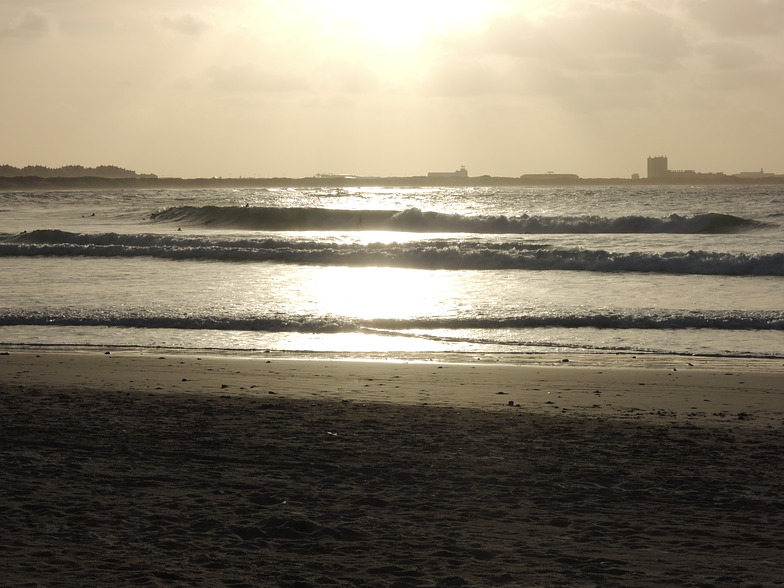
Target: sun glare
[(379, 292), (401, 22)]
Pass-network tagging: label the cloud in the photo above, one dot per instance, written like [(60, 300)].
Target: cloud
[(620, 56), (590, 57), (463, 77), (252, 79), (352, 79), (734, 72), (593, 37), (728, 55), (739, 17), (30, 24), (186, 24)]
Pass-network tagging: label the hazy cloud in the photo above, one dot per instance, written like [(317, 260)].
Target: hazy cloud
[(592, 57), (30, 24), (354, 79), (731, 56), (740, 17), (464, 77), (186, 24), (252, 79), (592, 38)]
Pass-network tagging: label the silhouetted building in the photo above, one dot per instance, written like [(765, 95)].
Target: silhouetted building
[(761, 174), (658, 167), (461, 173), (659, 171), (336, 176)]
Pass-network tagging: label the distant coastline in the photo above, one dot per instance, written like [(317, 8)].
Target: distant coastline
[(13, 183)]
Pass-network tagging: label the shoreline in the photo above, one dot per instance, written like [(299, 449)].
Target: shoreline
[(704, 390), (552, 356)]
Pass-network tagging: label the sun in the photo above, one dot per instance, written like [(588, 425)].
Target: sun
[(400, 22)]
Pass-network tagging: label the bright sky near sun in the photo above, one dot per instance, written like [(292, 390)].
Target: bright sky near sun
[(297, 87)]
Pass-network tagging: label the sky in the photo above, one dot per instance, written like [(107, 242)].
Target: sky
[(292, 88)]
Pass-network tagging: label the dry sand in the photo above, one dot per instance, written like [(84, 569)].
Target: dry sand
[(178, 470)]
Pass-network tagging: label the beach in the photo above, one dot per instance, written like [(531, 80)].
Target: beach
[(181, 469)]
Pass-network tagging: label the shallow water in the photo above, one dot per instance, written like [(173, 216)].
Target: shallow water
[(670, 270)]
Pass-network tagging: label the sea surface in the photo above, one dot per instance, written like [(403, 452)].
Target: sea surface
[(675, 270)]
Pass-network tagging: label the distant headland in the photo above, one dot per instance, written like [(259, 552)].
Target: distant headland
[(71, 171), (76, 177)]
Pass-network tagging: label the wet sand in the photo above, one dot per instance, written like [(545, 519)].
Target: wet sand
[(180, 470)]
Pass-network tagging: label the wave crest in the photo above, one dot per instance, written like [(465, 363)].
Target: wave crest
[(655, 320), (418, 221), (428, 254)]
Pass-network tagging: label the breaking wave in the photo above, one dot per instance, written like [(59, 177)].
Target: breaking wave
[(428, 254), (672, 320), (418, 221)]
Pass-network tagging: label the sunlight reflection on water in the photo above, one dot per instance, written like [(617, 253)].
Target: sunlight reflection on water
[(382, 292)]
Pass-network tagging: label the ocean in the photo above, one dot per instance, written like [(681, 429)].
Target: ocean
[(398, 272)]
